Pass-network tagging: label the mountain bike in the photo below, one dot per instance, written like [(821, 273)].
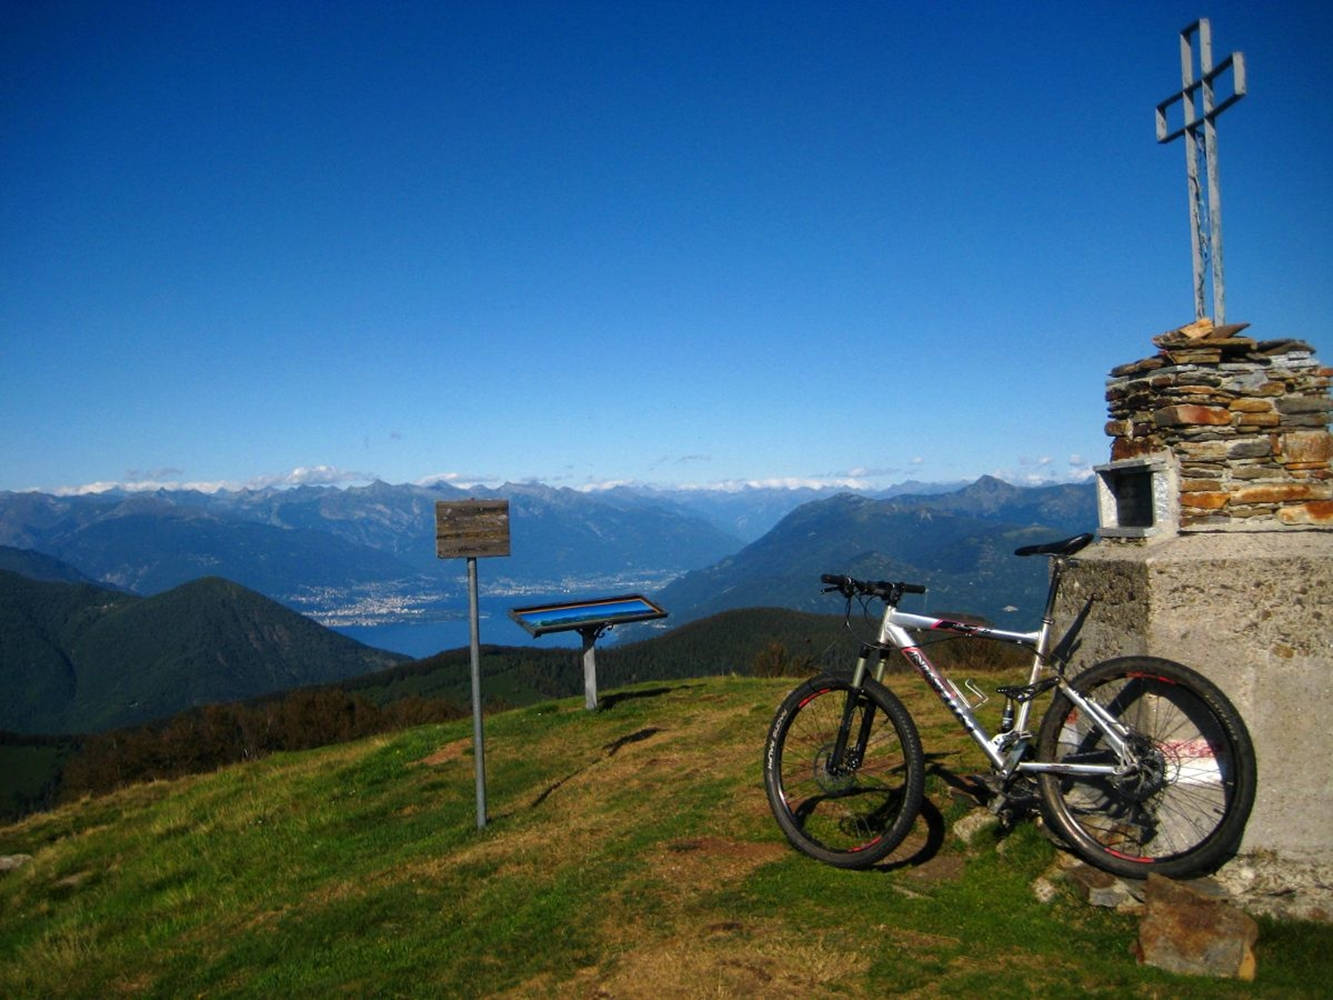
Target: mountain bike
[(1139, 764)]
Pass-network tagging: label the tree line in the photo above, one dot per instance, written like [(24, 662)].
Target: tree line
[(213, 736)]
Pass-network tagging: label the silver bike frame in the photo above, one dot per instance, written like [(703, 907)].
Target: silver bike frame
[(1004, 750)]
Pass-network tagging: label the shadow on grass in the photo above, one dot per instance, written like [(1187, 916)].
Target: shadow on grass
[(641, 735), (610, 701), (928, 848)]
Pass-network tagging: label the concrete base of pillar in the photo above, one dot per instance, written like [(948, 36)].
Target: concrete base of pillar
[(1253, 613)]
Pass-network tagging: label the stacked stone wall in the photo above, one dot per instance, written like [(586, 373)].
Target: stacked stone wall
[(1245, 422), (1217, 551)]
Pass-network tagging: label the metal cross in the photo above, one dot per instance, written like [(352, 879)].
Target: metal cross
[(1205, 239)]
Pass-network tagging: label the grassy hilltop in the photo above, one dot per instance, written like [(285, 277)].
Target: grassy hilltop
[(630, 853)]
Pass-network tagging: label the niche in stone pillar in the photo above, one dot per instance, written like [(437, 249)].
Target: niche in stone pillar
[(1137, 497)]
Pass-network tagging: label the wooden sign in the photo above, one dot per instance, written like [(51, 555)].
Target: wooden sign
[(471, 528)]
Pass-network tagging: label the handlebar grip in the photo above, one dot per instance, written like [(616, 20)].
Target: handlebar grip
[(888, 590)]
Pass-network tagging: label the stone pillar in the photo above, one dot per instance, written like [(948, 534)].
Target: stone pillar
[(1220, 433), (1216, 550)]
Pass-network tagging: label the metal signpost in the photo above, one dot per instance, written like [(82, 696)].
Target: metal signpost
[(470, 529), (1200, 110), (590, 619)]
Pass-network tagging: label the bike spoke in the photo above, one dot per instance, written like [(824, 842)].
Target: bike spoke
[(841, 807), (1184, 787)]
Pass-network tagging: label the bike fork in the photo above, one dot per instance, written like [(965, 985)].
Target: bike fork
[(840, 761)]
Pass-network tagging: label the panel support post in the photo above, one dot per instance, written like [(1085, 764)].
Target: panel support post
[(589, 636)]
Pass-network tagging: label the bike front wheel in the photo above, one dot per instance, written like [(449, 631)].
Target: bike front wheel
[(1183, 809), (844, 770)]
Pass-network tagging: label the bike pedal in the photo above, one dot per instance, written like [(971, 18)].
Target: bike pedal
[(1011, 801)]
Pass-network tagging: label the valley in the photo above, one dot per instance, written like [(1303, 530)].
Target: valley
[(359, 564)]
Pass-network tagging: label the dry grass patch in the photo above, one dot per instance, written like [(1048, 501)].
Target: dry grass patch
[(448, 753), (728, 964), (722, 962), (709, 863)]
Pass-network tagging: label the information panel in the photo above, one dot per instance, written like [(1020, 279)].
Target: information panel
[(590, 619), (586, 615)]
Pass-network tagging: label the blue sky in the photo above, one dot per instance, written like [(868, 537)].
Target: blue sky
[(667, 243)]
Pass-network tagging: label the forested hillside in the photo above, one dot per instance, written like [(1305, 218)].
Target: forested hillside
[(38, 566), (78, 658)]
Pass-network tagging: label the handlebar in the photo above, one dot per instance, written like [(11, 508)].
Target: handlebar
[(849, 587)]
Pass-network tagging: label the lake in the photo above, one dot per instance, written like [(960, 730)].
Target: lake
[(420, 639)]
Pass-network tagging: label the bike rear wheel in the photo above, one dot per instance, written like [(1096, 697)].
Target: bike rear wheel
[(1184, 810), (849, 809)]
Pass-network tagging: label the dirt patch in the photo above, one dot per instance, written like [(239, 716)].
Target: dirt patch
[(940, 868), (447, 753), (708, 861), (748, 852)]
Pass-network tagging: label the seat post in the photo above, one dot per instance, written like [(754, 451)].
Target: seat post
[(1048, 615)]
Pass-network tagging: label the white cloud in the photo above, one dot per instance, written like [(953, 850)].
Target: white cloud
[(600, 485), (1027, 470), (780, 483), (860, 478), (140, 486), (1044, 471), (1080, 468), (315, 475)]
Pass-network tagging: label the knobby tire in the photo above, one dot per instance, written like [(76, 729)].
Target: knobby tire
[(853, 815), (1184, 813)]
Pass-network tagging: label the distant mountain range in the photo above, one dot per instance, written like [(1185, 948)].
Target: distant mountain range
[(75, 657), (285, 542), (748, 513), (290, 544), (143, 623), (959, 544)]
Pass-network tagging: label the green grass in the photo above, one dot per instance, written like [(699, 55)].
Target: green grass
[(629, 851)]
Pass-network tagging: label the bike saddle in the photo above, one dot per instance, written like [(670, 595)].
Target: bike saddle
[(1064, 547)]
